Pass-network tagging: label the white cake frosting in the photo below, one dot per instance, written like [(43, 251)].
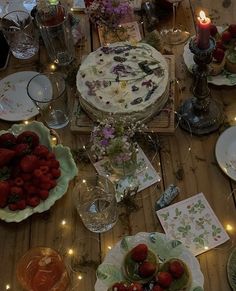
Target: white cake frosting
[(123, 79)]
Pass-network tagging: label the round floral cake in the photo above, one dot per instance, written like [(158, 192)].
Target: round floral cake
[(123, 79)]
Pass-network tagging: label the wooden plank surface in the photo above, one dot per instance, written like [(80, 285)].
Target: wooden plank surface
[(185, 160)]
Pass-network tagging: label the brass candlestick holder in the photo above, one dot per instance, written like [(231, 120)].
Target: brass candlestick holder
[(201, 114)]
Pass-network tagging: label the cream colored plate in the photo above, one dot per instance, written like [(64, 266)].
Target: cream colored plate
[(225, 152)]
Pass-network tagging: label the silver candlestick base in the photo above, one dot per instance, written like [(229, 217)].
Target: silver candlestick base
[(200, 114)]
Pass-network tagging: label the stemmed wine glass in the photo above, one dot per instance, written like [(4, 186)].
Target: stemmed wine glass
[(174, 35)]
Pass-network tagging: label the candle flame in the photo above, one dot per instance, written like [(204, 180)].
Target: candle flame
[(202, 15)]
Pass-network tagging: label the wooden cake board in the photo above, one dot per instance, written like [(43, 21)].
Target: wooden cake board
[(163, 122)]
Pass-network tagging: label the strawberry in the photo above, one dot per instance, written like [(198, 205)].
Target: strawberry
[(226, 36), (54, 164), (28, 137), (31, 190), (26, 176), (38, 173), (7, 140), (21, 204), (53, 183), (45, 169), (138, 253), (46, 185), (6, 156), (219, 44), (22, 149), (218, 55), (16, 191), (213, 30), (4, 193), (13, 206), (232, 29), (119, 287), (18, 181), (164, 279), (41, 151), (33, 201), (51, 156), (135, 287), (176, 268), (157, 288), (43, 194), (29, 163), (146, 269), (56, 173)]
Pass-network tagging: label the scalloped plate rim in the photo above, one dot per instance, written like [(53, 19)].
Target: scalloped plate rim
[(229, 262)]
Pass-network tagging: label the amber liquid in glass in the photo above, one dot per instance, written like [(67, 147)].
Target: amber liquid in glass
[(42, 269)]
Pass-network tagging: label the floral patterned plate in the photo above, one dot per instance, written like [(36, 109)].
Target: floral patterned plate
[(67, 166), (231, 269), (225, 152), (225, 78), (110, 272), (15, 104)]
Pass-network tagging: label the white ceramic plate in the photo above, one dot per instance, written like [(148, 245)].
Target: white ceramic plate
[(110, 272), (67, 166), (225, 78), (15, 104), (225, 152), (231, 269)]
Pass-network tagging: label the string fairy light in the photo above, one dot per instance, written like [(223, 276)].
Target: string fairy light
[(229, 227), (26, 122), (8, 287), (80, 277), (63, 222), (70, 252)]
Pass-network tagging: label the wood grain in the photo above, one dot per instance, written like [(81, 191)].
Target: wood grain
[(185, 160)]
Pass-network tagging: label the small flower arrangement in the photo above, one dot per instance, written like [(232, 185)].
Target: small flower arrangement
[(108, 13), (113, 138)]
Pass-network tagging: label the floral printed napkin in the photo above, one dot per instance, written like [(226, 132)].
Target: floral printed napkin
[(193, 222), (144, 177)]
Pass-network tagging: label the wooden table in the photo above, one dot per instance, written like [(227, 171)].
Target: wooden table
[(189, 162)]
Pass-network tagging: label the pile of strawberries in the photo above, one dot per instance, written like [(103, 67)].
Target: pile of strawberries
[(28, 170), (223, 41), (160, 279)]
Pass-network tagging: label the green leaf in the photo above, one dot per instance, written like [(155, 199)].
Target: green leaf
[(4, 173), (125, 244)]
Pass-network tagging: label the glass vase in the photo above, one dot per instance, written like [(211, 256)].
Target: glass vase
[(123, 168)]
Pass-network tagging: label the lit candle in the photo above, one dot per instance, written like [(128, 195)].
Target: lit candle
[(203, 31)]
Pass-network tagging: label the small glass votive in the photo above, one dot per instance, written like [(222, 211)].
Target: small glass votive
[(20, 33), (48, 92), (41, 269), (95, 201)]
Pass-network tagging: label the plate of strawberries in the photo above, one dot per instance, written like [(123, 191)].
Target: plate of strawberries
[(222, 69), (34, 174), (149, 262)]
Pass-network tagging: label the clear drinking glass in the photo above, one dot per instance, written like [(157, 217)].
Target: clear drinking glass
[(95, 201), (20, 33), (56, 32), (175, 35), (41, 269), (48, 92)]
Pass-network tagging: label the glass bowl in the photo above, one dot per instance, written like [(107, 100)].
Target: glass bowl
[(41, 269)]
